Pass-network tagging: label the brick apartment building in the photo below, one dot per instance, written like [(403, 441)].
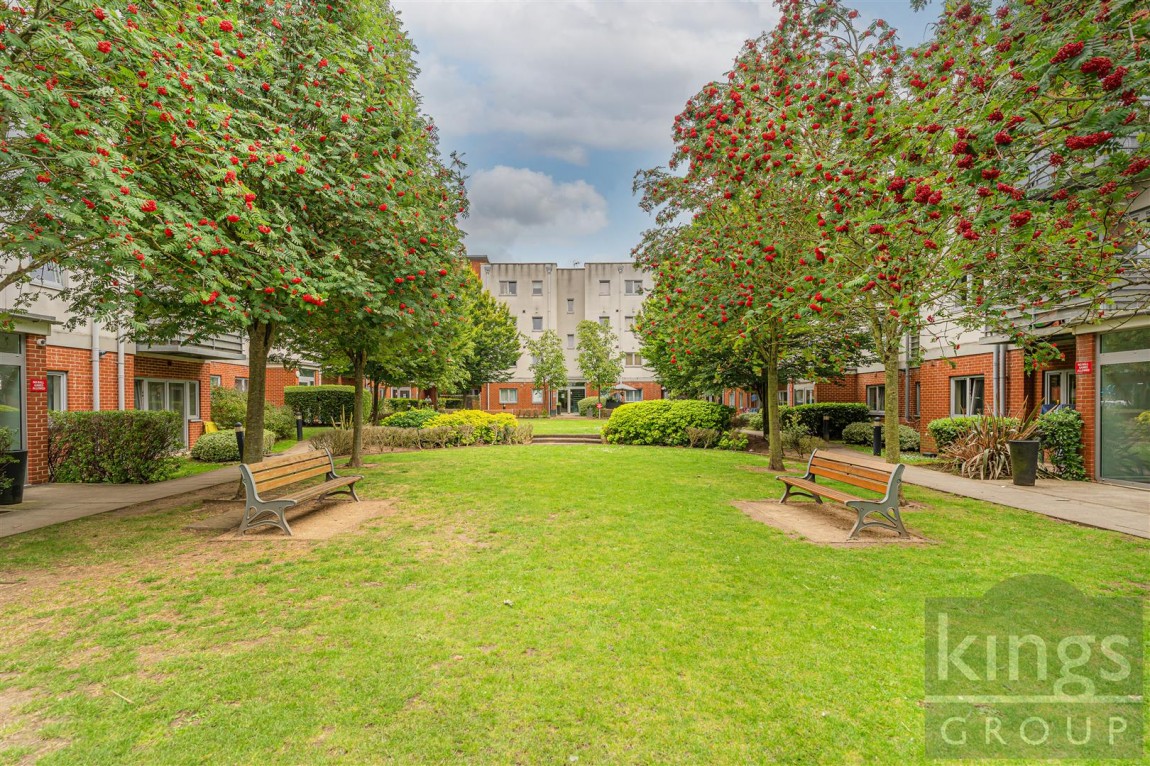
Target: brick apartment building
[(544, 296), (46, 366)]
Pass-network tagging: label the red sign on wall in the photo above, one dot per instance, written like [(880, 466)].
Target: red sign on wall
[(38, 385), (1084, 368)]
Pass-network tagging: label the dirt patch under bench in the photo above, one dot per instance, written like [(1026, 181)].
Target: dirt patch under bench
[(825, 524), (311, 521)]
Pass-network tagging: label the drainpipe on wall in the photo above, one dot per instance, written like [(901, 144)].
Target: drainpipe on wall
[(906, 380), (95, 366), (994, 382), (120, 395)]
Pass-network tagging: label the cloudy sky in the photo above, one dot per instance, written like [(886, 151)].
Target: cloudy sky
[(555, 104)]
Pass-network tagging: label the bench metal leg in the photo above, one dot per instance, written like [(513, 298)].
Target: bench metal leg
[(270, 514), (889, 518), (791, 490)]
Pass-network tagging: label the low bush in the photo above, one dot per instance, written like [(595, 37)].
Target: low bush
[(734, 441), (1061, 434), (221, 447), (947, 430), (324, 405), (113, 446), (982, 450), (794, 435), (501, 428), (754, 421), (588, 406), (702, 437), (279, 419), (863, 433), (409, 419), (530, 412), (476, 426), (664, 421)]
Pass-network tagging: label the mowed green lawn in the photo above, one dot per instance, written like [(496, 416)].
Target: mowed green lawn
[(547, 426), (584, 604)]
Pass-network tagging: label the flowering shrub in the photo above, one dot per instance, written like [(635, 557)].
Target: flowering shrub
[(114, 446), (409, 419), (476, 426)]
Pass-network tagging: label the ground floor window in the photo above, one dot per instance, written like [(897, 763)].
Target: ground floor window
[(537, 396), (509, 396), (12, 386), (57, 391), (179, 396), (876, 398), (242, 385), (308, 377), (215, 381), (1058, 388), (966, 396), (804, 396), (401, 393), (916, 403), (633, 396)]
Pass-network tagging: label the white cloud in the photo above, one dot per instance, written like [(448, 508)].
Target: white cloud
[(569, 75), (517, 206)]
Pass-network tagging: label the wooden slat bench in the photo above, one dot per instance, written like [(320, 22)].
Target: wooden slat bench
[(285, 471), (857, 472)]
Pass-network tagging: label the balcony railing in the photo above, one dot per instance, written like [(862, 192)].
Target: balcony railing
[(225, 346)]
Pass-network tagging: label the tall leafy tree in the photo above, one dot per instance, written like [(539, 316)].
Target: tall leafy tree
[(548, 365), (495, 341), (596, 355)]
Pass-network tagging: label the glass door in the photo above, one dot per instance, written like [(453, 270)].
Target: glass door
[(12, 387), (1124, 406), (178, 404)]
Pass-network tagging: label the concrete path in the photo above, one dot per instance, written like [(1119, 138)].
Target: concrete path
[(1106, 506), (48, 504)]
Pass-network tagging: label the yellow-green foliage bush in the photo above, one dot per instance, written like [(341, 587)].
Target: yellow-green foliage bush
[(477, 426)]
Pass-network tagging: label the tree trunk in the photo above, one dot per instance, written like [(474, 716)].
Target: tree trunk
[(374, 403), (771, 423), (891, 424), (261, 336), (358, 363)]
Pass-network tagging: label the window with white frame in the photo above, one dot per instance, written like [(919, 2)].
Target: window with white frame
[(509, 396), (58, 391), (182, 396), (215, 381), (966, 395), (241, 385), (629, 324), (631, 359), (508, 287), (784, 397), (570, 305), (804, 396), (401, 393), (570, 341), (633, 286), (48, 275), (536, 324), (1059, 387), (633, 396), (537, 396), (604, 286), (308, 377), (605, 321), (537, 287), (876, 398)]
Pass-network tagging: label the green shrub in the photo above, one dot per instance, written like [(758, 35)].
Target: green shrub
[(324, 405), (664, 421), (842, 414), (909, 439), (475, 426), (1061, 433), (280, 419), (461, 428), (734, 441), (221, 447), (229, 406), (587, 406), (113, 446), (755, 421), (946, 430), (409, 419)]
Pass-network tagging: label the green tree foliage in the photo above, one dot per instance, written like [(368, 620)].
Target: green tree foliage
[(548, 366), (495, 341), (598, 361)]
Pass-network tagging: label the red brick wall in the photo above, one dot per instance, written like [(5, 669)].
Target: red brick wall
[(36, 405), (278, 378), (844, 390), (1086, 395)]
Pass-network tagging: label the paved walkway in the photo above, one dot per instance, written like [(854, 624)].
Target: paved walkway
[(1106, 506), (48, 504)]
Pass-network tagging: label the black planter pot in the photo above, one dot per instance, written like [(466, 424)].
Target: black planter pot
[(17, 472), (1024, 461)]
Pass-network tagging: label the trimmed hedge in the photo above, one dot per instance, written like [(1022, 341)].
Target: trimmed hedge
[(863, 433), (324, 405), (842, 414), (221, 447), (664, 421), (409, 419), (113, 446)]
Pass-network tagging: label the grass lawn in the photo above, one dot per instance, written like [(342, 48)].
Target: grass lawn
[(592, 604), (189, 467), (547, 426)]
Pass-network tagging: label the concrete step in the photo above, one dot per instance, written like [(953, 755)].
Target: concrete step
[(566, 439)]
